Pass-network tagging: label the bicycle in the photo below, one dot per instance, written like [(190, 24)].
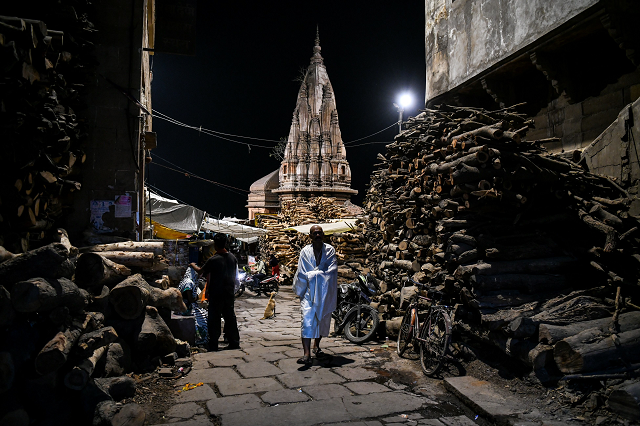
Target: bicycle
[(432, 336)]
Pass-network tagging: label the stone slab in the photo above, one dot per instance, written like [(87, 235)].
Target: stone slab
[(232, 404), (326, 391), (201, 393), (457, 421), (309, 378), (364, 388), (369, 423), (258, 350), (242, 386), (381, 404), (430, 422), (227, 362), (281, 342), (301, 414), (347, 349), (258, 369), (208, 375), (184, 411), (200, 420), (284, 396), (355, 373), (483, 398), (270, 357)]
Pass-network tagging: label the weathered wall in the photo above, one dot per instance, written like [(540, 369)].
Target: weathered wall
[(616, 152), (113, 158), (463, 38), (578, 124)]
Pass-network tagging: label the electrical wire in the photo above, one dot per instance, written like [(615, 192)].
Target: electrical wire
[(373, 134), (222, 185), (200, 129), (368, 143)]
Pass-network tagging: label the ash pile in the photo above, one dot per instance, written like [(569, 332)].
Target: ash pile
[(539, 256), (79, 331)]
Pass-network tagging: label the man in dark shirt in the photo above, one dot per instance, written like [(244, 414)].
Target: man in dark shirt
[(221, 270)]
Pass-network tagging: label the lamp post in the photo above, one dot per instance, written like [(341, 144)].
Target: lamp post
[(405, 100), (400, 111)]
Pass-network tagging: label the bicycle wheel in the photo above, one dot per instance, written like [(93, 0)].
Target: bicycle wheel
[(405, 333), (361, 329), (436, 336)]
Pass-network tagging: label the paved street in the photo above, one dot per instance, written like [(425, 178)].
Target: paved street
[(261, 384)]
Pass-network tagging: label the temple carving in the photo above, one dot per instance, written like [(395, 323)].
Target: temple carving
[(315, 159)]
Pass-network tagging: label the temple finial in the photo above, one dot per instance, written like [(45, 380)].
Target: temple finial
[(317, 35)]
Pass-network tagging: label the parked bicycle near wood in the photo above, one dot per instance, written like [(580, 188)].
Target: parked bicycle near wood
[(432, 336)]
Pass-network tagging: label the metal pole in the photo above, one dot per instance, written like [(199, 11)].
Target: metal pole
[(400, 111)]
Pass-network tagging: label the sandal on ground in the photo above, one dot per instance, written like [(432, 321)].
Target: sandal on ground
[(319, 353), (304, 360)]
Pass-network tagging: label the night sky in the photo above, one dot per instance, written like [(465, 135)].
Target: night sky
[(242, 82)]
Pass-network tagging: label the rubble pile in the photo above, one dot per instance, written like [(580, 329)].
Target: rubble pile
[(75, 324), (45, 67), (524, 242), (286, 244)]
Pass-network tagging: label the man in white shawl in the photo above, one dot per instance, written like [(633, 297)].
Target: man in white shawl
[(316, 284)]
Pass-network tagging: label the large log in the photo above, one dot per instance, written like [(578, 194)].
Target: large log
[(154, 338), (78, 377), (144, 260), (94, 271), (157, 248), (54, 354), (89, 342), (579, 308), (575, 355), (625, 400), (50, 261), (118, 361), (45, 294), (119, 388), (7, 313), (554, 333), (130, 297)]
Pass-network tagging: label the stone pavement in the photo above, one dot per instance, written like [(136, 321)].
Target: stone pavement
[(261, 384)]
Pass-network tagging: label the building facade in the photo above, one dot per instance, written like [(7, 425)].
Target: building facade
[(315, 159)]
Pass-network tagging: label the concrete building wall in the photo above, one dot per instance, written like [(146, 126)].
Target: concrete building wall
[(114, 154), (579, 124), (464, 38)]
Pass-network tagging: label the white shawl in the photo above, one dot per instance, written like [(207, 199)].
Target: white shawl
[(317, 285)]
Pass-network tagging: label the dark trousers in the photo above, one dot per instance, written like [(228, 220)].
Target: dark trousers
[(222, 305)]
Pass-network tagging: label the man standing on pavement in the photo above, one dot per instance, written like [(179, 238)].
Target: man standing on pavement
[(222, 275), (316, 284)]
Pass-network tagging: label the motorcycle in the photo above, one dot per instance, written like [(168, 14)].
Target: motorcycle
[(353, 314), (265, 286)]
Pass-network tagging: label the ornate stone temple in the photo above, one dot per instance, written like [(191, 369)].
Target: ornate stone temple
[(315, 160)]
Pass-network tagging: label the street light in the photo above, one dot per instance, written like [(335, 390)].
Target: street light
[(405, 100)]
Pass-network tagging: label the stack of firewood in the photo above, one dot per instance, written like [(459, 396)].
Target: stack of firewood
[(520, 239), (75, 324), (286, 244), (43, 70)]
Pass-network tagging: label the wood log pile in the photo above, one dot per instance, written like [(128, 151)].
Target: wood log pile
[(44, 70), (530, 246), (286, 244), (74, 327)]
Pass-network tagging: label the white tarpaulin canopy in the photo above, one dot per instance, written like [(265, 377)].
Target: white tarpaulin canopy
[(236, 230), (342, 225), (172, 214)]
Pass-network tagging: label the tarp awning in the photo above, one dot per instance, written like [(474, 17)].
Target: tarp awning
[(234, 229), (172, 214), (343, 225)]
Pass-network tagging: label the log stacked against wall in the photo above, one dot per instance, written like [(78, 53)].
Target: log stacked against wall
[(520, 239), (44, 68), (74, 325), (286, 244)]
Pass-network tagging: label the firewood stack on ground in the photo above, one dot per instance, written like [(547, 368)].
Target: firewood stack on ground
[(523, 241), (45, 65), (75, 326), (286, 244)]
